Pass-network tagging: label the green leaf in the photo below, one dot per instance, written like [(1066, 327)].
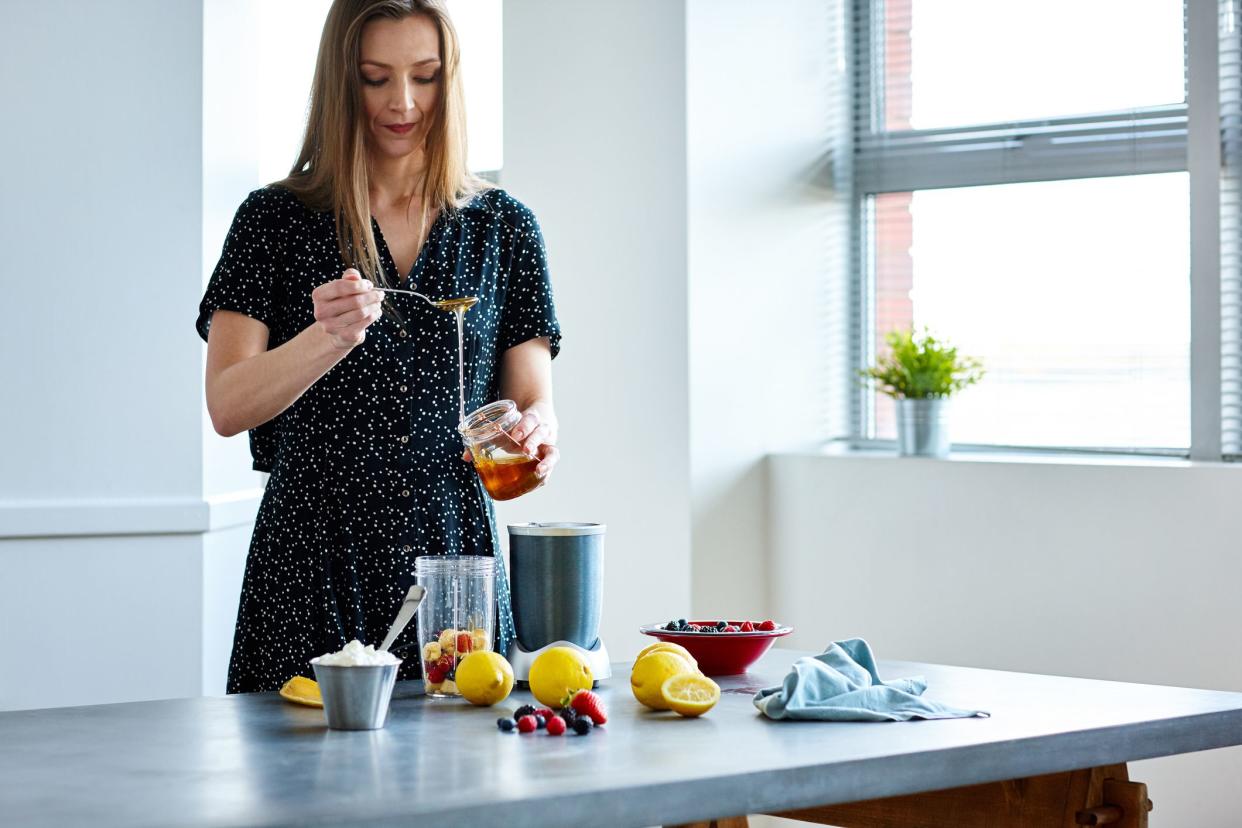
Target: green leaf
[(919, 366)]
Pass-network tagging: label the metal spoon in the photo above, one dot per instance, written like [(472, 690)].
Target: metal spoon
[(412, 599), (463, 303)]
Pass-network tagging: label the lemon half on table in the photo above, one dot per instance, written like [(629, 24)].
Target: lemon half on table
[(302, 690)]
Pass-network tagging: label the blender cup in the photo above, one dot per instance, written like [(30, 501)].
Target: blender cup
[(457, 617), (505, 469)]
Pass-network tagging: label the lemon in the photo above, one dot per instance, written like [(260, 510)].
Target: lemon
[(669, 647), (484, 678), (302, 690), (690, 694), (651, 671), (557, 674)]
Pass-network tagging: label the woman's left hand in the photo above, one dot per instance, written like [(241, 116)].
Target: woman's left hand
[(537, 437)]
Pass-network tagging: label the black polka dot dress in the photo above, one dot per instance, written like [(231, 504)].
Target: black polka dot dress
[(366, 468)]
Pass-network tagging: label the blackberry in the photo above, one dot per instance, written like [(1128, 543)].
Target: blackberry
[(671, 626), (524, 710), (582, 725), (568, 714), (681, 624), (506, 725)]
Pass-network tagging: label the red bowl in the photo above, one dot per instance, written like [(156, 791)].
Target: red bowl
[(720, 654)]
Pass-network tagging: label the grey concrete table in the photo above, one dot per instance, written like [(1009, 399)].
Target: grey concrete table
[(259, 761)]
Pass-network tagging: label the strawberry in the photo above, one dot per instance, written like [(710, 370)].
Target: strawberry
[(464, 643), (556, 726), (546, 713), (747, 627), (588, 704), (434, 674), (526, 724), (766, 626)]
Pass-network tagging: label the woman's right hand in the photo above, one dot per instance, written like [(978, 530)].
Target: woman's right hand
[(346, 307)]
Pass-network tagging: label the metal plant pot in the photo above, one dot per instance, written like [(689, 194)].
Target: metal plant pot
[(923, 427)]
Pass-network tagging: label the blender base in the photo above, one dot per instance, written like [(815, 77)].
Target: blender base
[(596, 656)]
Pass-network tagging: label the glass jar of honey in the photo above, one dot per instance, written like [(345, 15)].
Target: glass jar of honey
[(505, 469)]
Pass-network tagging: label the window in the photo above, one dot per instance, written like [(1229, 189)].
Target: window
[(1022, 188)]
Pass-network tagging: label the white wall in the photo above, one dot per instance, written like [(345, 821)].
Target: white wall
[(1123, 572), (765, 86), (99, 221), (114, 524), (595, 145)]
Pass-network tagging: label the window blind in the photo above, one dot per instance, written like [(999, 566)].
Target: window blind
[(1230, 57)]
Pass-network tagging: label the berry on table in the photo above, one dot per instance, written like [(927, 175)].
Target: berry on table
[(556, 726), (582, 725), (524, 710), (540, 721), (588, 704), (506, 724), (526, 724)]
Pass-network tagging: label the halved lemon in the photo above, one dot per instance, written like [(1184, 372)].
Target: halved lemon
[(302, 690), (690, 694)]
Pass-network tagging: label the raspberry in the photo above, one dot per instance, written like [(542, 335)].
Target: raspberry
[(588, 704), (545, 712), (556, 726), (747, 627), (732, 628), (766, 626), (464, 643), (526, 724)]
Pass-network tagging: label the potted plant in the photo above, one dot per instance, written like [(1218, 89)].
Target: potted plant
[(921, 372)]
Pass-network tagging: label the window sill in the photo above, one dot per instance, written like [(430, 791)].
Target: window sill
[(1018, 457)]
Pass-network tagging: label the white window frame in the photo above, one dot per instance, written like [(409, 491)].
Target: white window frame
[(1159, 139)]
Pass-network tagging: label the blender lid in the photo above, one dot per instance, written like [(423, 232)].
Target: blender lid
[(556, 529)]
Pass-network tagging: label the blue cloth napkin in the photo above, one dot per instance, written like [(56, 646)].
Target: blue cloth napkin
[(841, 685)]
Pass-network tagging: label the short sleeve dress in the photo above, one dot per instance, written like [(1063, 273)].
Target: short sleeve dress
[(366, 468)]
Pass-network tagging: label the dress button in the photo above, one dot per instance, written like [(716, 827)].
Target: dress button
[(406, 548), (405, 388), (403, 334), (405, 492), (405, 438)]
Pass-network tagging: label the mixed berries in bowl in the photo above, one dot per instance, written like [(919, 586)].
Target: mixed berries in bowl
[(721, 647)]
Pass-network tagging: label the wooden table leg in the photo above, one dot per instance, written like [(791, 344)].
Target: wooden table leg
[(1097, 796)]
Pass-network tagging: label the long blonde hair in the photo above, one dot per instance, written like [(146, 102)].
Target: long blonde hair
[(331, 172)]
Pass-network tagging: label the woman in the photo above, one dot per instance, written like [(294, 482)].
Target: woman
[(350, 395)]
